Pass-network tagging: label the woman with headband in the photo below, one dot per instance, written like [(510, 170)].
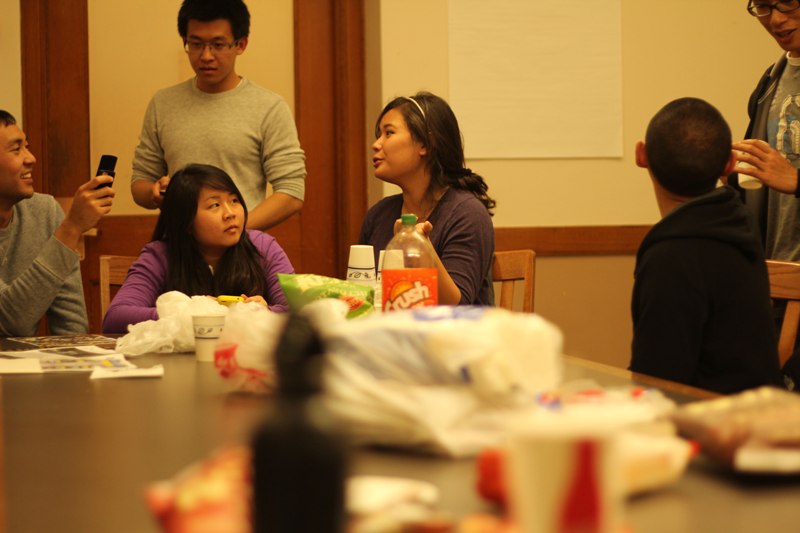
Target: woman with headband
[(418, 147)]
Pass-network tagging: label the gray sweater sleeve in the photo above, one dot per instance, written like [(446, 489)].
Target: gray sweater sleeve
[(39, 275), (148, 161)]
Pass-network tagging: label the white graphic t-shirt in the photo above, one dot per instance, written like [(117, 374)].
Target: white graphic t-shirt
[(783, 132)]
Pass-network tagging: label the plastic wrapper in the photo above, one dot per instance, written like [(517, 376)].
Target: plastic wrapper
[(173, 331), (447, 380), (444, 380), (302, 289), (243, 355), (212, 496), (756, 431)]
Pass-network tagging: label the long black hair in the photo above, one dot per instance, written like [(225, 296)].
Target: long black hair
[(239, 270), (433, 124)]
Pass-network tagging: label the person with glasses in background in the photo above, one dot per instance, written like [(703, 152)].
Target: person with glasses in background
[(770, 151), (220, 118)]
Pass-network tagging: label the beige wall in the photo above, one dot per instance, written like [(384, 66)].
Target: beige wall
[(10, 75), (711, 49), (589, 299), (135, 49)]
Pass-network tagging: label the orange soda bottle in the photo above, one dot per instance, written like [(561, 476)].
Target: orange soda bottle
[(409, 276)]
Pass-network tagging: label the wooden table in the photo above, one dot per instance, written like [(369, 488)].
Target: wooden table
[(78, 454)]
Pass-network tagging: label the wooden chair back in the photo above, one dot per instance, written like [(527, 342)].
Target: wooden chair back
[(113, 271), (784, 284), (514, 266)]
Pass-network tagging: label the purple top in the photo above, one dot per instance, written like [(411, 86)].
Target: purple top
[(463, 237), (136, 300)]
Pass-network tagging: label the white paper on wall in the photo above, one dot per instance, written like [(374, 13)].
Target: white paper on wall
[(537, 78)]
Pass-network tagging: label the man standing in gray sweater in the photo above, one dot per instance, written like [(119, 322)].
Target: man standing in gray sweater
[(39, 265), (219, 118)]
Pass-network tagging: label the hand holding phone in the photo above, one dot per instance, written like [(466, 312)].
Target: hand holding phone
[(106, 166)]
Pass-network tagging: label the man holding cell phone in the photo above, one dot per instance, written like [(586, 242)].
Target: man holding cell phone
[(39, 262)]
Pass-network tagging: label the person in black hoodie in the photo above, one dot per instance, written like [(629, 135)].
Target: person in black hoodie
[(701, 307)]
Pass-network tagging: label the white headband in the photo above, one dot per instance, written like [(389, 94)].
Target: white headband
[(416, 104)]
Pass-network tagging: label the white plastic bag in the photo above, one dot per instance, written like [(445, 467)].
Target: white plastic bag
[(446, 380), (245, 348), (173, 331), (505, 358)]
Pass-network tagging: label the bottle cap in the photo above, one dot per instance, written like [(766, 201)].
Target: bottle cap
[(409, 219)]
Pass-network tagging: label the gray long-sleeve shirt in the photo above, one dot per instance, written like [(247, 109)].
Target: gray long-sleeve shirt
[(39, 274)]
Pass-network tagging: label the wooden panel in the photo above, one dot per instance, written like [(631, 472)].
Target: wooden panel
[(116, 235), (577, 240), (784, 284), (329, 95), (350, 90), (34, 98), (55, 87), (316, 126), (511, 266)]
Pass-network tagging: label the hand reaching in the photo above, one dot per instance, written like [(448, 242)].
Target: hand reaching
[(158, 189), (765, 164), (424, 228), (257, 299)]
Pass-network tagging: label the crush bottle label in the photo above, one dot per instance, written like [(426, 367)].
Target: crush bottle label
[(409, 287)]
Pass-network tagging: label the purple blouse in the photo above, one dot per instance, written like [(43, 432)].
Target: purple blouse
[(136, 300)]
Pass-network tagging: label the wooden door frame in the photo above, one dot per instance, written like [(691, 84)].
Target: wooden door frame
[(55, 92), (330, 111)]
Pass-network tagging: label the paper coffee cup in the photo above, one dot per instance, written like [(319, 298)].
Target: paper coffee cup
[(565, 477), (381, 256), (207, 330), (749, 182), (361, 264), (745, 181)]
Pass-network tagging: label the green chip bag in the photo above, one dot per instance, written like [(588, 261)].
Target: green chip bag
[(301, 289)]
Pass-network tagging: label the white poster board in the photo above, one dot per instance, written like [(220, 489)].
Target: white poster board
[(537, 78)]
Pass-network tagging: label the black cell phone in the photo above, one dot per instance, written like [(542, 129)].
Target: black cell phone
[(106, 166)]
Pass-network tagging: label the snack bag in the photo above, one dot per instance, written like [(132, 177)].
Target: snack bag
[(302, 289), (212, 496)]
